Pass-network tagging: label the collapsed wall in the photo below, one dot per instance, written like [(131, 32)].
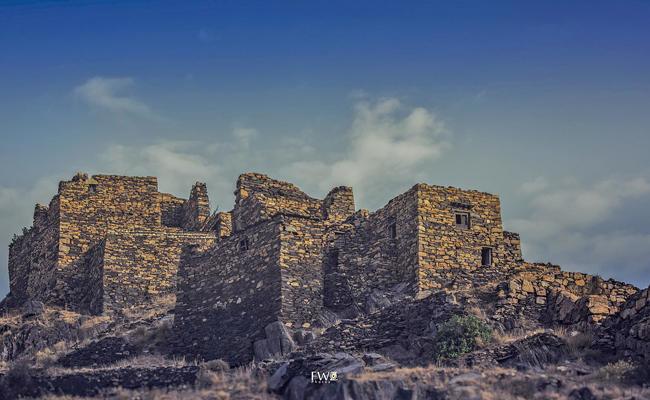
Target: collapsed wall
[(550, 296), (628, 331), (33, 257)]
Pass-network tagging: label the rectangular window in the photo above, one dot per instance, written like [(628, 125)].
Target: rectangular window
[(393, 230), (462, 220), (243, 244), (486, 256)]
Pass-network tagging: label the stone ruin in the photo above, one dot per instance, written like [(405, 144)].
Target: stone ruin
[(283, 261)]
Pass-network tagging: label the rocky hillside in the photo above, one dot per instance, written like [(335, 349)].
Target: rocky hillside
[(470, 343)]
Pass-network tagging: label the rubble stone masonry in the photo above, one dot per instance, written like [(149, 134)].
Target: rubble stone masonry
[(105, 242), (283, 258)]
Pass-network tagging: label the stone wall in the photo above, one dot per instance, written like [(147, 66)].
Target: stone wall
[(628, 332), (445, 246), (89, 285), (338, 205), (172, 208), (33, 256), (546, 293), (141, 265), (512, 248), (196, 209), (258, 198), (88, 209), (301, 269), (372, 251), (228, 293), (60, 259)]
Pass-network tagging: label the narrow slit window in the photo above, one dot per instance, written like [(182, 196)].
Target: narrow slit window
[(462, 220), (486, 256), (393, 230), (243, 244)]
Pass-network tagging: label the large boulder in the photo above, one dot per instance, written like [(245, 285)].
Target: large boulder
[(278, 342)]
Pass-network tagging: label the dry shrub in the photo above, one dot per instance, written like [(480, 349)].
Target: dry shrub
[(617, 372), (215, 365), (45, 357), (206, 379), (578, 342)]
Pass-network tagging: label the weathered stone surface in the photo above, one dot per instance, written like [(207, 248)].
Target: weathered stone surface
[(283, 259), (105, 242), (278, 342), (628, 331)]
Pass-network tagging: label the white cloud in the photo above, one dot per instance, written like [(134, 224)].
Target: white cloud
[(107, 93), (575, 224), (387, 142)]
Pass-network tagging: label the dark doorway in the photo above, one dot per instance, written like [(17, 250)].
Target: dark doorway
[(486, 256), (393, 230)]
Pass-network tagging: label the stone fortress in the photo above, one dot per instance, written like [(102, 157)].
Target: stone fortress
[(108, 242)]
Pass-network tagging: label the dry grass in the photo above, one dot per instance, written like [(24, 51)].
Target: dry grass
[(150, 361), (615, 372), (514, 335)]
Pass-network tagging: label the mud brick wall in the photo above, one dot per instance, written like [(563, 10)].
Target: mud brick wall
[(365, 255), (301, 267), (171, 208), (33, 256), (227, 294), (445, 247), (140, 265), (628, 331), (338, 205)]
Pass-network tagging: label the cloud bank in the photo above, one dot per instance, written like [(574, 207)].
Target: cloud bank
[(588, 227), (387, 142)]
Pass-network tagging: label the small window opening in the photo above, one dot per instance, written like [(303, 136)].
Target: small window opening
[(393, 230), (92, 188), (486, 256), (462, 220), (243, 244)]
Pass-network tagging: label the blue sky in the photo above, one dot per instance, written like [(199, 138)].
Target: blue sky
[(544, 103)]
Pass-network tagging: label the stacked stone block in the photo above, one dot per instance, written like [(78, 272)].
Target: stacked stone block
[(228, 293), (141, 265), (628, 331), (546, 293), (105, 242), (445, 246)]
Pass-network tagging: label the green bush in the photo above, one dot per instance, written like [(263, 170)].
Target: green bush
[(460, 335)]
